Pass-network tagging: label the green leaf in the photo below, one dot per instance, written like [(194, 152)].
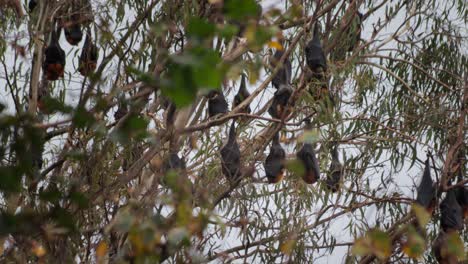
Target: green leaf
[(310, 136), (63, 218), (296, 167), (227, 31), (83, 118), (257, 35), (241, 9), (10, 179), (196, 69), (79, 199), (51, 194), (180, 86), (200, 28), (52, 105), (132, 127)]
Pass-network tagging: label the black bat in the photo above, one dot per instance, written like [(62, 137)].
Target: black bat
[(174, 162), (73, 32), (462, 191), (54, 60), (441, 251), (274, 163), (122, 110), (315, 56), (426, 189), (280, 101), (241, 95), (336, 172), (462, 198), (89, 56), (216, 103), (451, 213), (32, 4), (283, 75), (170, 114), (311, 167), (230, 156)]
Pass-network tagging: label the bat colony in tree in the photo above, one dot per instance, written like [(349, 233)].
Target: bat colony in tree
[(451, 219), (453, 208), (54, 56)]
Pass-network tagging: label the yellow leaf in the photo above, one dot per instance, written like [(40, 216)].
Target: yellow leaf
[(381, 243), (156, 163), (376, 242), (309, 136), (361, 247), (415, 244), (288, 246), (455, 245), (39, 251), (421, 214), (275, 44), (101, 249), (193, 142), (137, 243), (283, 138)]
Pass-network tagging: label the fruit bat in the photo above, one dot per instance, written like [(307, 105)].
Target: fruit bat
[(274, 163), (230, 156), (426, 189), (451, 213), (462, 190), (280, 101), (462, 198), (336, 172), (72, 29), (315, 57), (122, 110), (354, 31), (32, 4), (216, 103), (241, 96), (173, 162), (36, 153), (441, 250), (306, 156), (283, 75), (54, 61), (170, 114), (88, 58)]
